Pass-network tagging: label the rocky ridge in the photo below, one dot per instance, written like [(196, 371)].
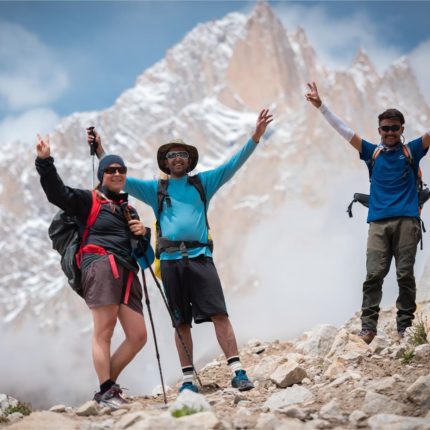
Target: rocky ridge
[(326, 379)]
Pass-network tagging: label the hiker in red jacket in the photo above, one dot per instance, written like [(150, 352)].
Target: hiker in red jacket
[(110, 284)]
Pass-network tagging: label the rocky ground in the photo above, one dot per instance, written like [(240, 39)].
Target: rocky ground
[(327, 379)]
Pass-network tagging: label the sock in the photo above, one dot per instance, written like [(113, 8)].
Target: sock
[(234, 364), (187, 375), (106, 385)]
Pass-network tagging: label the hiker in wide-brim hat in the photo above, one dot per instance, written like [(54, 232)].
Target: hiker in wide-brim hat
[(164, 154), (108, 279)]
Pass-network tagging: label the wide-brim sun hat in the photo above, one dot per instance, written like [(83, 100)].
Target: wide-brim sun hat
[(164, 149)]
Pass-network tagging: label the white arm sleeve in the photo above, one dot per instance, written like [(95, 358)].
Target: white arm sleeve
[(336, 123)]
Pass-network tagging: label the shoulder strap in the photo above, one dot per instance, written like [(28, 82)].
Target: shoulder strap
[(371, 162), (408, 154), (94, 212), (196, 182), (162, 195)]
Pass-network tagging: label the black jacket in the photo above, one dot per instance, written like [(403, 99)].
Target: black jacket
[(110, 229)]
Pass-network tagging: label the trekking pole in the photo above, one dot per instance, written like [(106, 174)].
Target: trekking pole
[(145, 289), (92, 147), (181, 339), (128, 217)]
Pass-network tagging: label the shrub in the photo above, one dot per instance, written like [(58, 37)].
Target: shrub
[(407, 356), (186, 410)]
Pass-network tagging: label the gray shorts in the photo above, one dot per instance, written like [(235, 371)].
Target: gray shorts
[(101, 288), (193, 290)]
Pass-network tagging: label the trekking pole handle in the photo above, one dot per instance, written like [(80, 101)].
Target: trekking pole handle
[(92, 145)]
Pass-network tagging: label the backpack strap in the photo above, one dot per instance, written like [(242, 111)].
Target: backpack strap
[(371, 162), (162, 195), (96, 204), (196, 182), (360, 198)]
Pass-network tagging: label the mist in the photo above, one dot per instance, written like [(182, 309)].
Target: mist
[(306, 264)]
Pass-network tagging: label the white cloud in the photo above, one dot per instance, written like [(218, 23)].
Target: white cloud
[(336, 39), (420, 62), (30, 74), (26, 125)]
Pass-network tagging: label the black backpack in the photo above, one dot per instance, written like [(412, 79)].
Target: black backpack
[(67, 235)]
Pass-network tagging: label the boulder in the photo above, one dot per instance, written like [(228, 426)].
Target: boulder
[(375, 403), (318, 341), (419, 391), (288, 374), (290, 396)]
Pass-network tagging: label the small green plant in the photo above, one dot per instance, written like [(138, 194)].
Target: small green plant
[(419, 332), (23, 408), (407, 356), (3, 419), (186, 410)]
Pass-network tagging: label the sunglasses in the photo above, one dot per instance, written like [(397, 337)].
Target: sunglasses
[(387, 128), (122, 170), (173, 154)]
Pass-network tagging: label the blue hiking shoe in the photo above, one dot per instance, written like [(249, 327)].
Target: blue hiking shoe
[(189, 386), (241, 381)]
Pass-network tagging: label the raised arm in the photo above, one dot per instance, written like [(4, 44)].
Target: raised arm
[(71, 200), (215, 178), (93, 138), (346, 132)]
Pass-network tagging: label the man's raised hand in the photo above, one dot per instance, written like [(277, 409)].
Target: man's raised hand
[(263, 120), (313, 96)]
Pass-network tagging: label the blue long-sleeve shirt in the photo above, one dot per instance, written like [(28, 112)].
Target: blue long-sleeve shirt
[(185, 218)]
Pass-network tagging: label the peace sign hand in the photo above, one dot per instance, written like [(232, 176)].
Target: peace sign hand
[(313, 96), (43, 149)]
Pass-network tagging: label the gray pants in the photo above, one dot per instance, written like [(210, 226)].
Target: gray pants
[(398, 238)]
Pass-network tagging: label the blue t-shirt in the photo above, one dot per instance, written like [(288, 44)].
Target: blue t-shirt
[(393, 186), (185, 218)]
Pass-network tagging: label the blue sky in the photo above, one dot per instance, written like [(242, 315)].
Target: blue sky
[(57, 58)]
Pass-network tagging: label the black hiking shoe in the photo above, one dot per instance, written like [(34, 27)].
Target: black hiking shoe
[(241, 381), (367, 335), (112, 398)]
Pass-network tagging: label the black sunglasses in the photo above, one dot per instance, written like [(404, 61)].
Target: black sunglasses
[(387, 128), (173, 154), (122, 170)]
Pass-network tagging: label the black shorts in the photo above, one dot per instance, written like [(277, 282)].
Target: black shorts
[(193, 290)]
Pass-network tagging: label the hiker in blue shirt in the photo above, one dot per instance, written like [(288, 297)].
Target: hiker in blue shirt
[(190, 279), (394, 218)]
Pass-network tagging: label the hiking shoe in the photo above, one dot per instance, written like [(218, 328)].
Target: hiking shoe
[(112, 398), (241, 381), (188, 386), (401, 332), (367, 335)]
